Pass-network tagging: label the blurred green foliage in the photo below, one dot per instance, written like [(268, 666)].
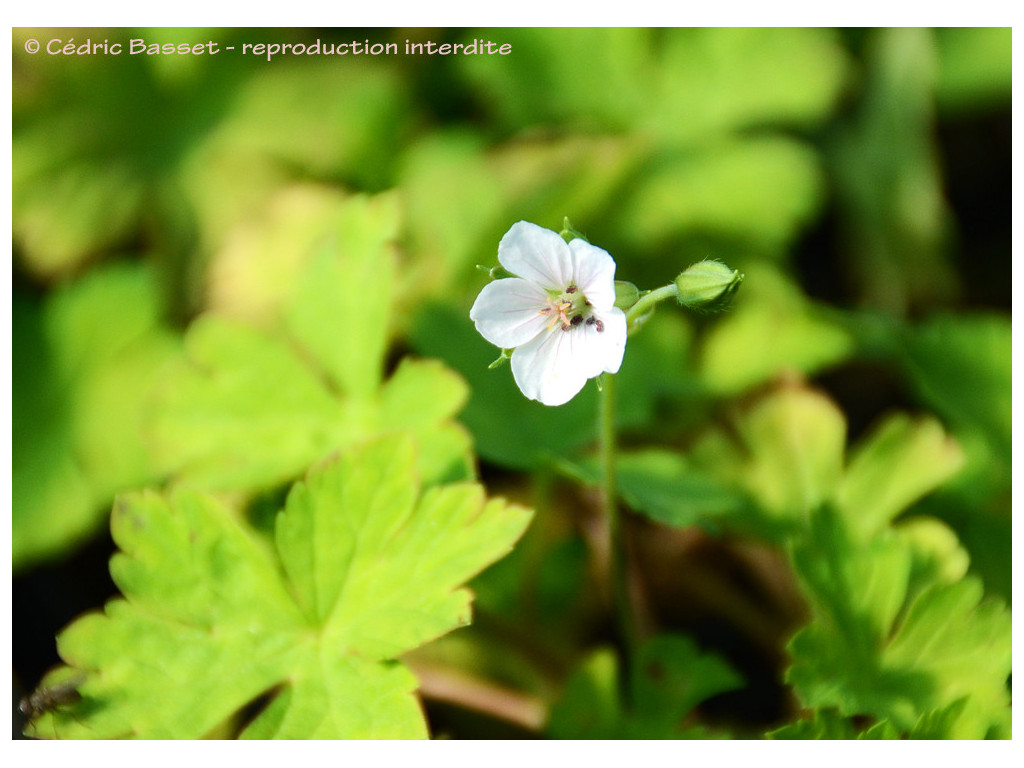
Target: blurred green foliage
[(226, 269)]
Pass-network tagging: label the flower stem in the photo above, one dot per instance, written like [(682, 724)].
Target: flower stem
[(618, 559), (646, 303)]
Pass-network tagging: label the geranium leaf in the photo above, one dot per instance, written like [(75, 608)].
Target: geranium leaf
[(341, 308), (366, 565), (254, 406), (874, 648), (872, 494), (788, 453)]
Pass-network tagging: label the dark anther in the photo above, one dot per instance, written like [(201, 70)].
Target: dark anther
[(576, 320), (571, 289)]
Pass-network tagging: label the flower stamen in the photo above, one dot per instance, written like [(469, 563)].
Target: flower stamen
[(563, 310)]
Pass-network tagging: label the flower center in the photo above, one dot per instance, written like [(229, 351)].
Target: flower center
[(569, 309)]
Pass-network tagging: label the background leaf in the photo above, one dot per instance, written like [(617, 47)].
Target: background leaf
[(671, 677), (254, 406), (82, 394)]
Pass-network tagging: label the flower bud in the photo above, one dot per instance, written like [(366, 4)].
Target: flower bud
[(707, 286)]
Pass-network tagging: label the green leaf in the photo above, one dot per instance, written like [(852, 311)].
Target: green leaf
[(243, 410), (944, 723), (365, 566), (679, 84), (894, 219), (670, 678), (249, 413), (81, 396), (254, 407), (825, 724), (788, 453), (341, 310), (856, 592), (975, 68), (589, 707), (760, 191), (663, 486), (330, 116), (961, 366), (773, 331), (507, 428), (718, 79), (871, 494), (962, 643), (875, 648), (937, 555)]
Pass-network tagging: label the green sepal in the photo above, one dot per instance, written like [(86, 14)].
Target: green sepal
[(626, 294), (505, 355), (569, 234), (495, 273)]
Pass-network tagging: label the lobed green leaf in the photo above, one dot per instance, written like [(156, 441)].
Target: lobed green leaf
[(365, 566)]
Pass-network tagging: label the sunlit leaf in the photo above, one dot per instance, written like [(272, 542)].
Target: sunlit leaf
[(872, 493), (728, 79), (330, 116), (706, 79), (787, 454), (760, 190), (365, 566), (100, 140), (253, 407), (341, 309), (773, 331), (825, 724), (872, 651)]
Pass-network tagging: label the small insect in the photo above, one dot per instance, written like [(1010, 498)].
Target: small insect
[(46, 699)]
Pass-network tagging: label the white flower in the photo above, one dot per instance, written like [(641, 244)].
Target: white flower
[(558, 314)]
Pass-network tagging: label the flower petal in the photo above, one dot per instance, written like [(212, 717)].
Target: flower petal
[(508, 312), (545, 368), (596, 352), (610, 345), (536, 254), (595, 273)]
